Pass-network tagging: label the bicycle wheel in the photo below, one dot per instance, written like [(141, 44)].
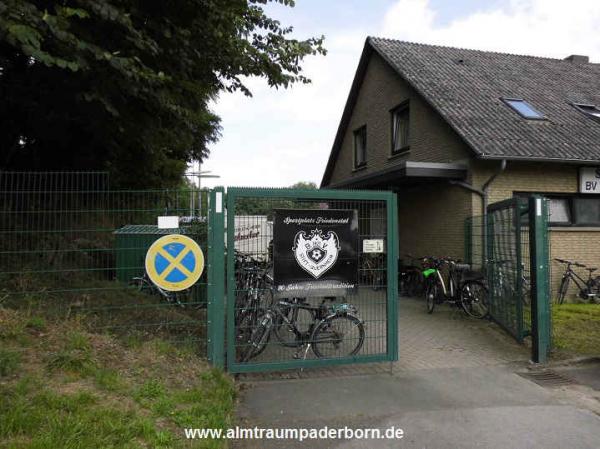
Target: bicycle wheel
[(432, 292), (595, 288), (140, 284), (474, 299), (258, 340), (562, 291), (338, 336)]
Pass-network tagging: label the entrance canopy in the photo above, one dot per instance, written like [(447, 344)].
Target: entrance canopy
[(406, 172)]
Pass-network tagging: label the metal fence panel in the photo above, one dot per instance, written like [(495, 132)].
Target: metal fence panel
[(250, 299), (504, 234), (73, 251)]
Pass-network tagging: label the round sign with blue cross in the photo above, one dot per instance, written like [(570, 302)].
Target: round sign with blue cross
[(174, 262)]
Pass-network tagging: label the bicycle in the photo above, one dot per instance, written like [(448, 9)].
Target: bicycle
[(254, 292), (502, 282), (588, 288), (331, 327), (374, 271), (464, 287), (181, 298), (410, 278)]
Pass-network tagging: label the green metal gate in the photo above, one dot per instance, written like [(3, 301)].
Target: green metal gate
[(508, 266), (510, 244), (249, 233)]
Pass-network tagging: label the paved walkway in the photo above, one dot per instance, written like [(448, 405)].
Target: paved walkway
[(455, 386), (449, 339)]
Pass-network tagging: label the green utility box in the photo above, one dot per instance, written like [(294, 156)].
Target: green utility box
[(132, 243)]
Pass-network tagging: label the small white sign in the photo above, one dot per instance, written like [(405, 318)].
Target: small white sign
[(168, 222), (373, 246), (589, 180), (219, 200)]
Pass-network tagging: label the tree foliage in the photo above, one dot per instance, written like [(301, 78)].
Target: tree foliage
[(124, 85), (265, 206)]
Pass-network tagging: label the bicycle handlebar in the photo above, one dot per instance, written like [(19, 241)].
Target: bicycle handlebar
[(571, 262)]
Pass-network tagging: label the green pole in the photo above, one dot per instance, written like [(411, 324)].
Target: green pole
[(392, 276), (540, 298), (216, 279)]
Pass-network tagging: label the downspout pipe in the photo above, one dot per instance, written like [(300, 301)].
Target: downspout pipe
[(484, 195)]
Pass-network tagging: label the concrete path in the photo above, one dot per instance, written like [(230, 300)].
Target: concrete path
[(455, 386)]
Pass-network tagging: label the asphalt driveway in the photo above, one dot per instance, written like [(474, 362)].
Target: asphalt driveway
[(456, 385)]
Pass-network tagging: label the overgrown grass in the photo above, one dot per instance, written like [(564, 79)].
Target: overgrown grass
[(69, 388), (9, 362), (102, 305), (576, 328)]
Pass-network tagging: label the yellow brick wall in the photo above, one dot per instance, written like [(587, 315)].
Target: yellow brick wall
[(581, 244), (431, 221), (524, 176)]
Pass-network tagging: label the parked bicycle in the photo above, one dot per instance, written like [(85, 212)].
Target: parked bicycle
[(463, 287), (254, 282), (588, 288), (374, 270), (503, 280), (335, 330), (410, 277), (181, 298)]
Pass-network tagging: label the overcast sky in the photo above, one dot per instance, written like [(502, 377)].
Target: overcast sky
[(279, 137)]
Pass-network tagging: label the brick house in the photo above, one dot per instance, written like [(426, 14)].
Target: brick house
[(440, 126)]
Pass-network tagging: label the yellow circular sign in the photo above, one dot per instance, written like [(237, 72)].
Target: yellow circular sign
[(174, 262)]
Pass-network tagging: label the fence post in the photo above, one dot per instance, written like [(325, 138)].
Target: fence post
[(392, 277), (540, 294), (216, 279)]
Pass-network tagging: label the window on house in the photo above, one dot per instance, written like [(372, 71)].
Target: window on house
[(400, 122), (570, 210), (523, 108), (589, 109), (586, 211), (559, 211), (360, 147)]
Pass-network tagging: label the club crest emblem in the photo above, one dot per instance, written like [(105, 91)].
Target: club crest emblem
[(316, 253)]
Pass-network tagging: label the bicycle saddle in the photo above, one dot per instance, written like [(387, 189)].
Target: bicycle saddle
[(462, 266), (591, 269)]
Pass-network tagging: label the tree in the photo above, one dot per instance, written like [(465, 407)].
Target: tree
[(124, 85), (265, 206), (305, 185)]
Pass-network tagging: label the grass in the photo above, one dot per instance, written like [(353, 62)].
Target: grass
[(65, 387), (576, 328), (9, 362)]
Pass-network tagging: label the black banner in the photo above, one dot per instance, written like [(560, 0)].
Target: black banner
[(315, 252)]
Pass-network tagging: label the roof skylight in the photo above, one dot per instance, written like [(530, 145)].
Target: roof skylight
[(523, 108), (589, 109)]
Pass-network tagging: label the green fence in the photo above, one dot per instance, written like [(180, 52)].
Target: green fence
[(69, 246), (508, 266), (289, 322), (500, 244), (72, 251)]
